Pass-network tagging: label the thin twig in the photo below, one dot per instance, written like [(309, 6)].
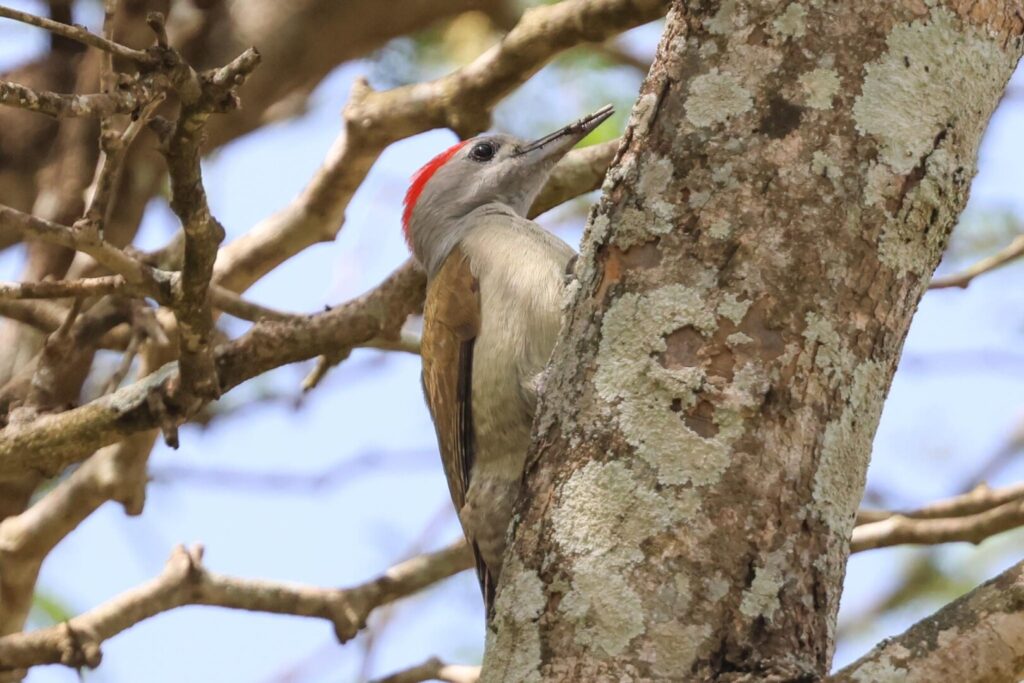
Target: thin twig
[(243, 309), (101, 195), (78, 34), (434, 670), (58, 289), (59, 105), (52, 442), (900, 530), (461, 101), (979, 499), (156, 283), (185, 581), (124, 366), (1011, 252)]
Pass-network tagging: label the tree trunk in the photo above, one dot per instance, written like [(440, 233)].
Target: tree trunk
[(785, 188)]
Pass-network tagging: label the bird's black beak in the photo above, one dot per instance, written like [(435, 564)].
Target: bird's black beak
[(556, 144)]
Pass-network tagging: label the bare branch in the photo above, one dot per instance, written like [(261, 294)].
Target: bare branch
[(979, 637), (203, 235), (57, 348), (434, 670), (78, 34), (243, 309), (461, 101), (979, 499), (57, 289), (51, 442), (111, 163), (972, 528), (117, 472), (185, 581), (156, 282), (43, 316), (1011, 252), (60, 105)]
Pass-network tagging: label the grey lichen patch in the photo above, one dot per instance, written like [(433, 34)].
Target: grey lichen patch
[(901, 246), (732, 308), (715, 97), (513, 648), (655, 176), (572, 290), (607, 610), (822, 165), (819, 86), (699, 199), (605, 515), (839, 478), (738, 339), (878, 184), (722, 23), (717, 588), (792, 23), (674, 647), (637, 226), (645, 397), (935, 72), (762, 598), (722, 174), (643, 113), (720, 229), (885, 669), (832, 358)]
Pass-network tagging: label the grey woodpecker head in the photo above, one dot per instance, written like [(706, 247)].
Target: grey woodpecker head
[(481, 171)]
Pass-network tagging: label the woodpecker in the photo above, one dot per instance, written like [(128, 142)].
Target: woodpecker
[(493, 310)]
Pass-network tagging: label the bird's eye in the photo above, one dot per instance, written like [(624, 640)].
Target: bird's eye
[(482, 151)]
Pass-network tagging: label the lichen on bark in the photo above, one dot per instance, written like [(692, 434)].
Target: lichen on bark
[(741, 299)]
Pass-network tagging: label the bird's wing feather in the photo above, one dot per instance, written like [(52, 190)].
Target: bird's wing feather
[(451, 323)]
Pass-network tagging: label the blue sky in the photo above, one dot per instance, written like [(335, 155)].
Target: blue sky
[(941, 419)]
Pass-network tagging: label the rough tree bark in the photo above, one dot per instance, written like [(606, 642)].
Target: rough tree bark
[(784, 190)]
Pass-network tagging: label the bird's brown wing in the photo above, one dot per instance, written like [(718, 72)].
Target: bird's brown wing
[(451, 323)]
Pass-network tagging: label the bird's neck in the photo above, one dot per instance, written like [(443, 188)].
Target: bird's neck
[(435, 235)]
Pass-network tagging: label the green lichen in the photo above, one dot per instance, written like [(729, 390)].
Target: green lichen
[(822, 165), (607, 609), (717, 588), (832, 357), (762, 598), (839, 479), (738, 339), (720, 229), (792, 23), (901, 246), (513, 651), (715, 98), (722, 23), (936, 72), (645, 396), (607, 513), (637, 226), (819, 86), (604, 516), (732, 308)]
